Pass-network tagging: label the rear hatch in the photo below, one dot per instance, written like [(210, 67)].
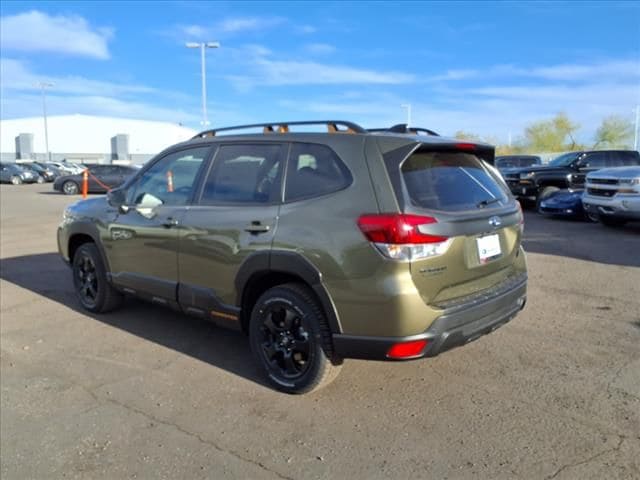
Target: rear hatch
[(468, 211)]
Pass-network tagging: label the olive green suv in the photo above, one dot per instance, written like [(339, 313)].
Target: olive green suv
[(385, 244)]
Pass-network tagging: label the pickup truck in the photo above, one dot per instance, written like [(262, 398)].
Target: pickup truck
[(566, 171), (613, 195)]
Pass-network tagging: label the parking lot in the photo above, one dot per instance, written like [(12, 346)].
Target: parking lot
[(148, 393)]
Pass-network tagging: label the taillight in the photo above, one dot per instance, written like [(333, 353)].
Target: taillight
[(407, 349), (466, 146), (399, 236)]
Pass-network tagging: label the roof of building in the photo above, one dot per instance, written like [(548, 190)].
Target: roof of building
[(92, 134)]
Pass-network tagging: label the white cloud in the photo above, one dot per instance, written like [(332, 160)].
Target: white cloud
[(283, 72), (319, 48), (17, 76), (36, 31), (243, 24), (225, 27), (305, 29)]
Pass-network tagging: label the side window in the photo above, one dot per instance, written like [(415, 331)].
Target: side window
[(244, 174), (596, 160), (314, 170), (170, 180), (623, 159)]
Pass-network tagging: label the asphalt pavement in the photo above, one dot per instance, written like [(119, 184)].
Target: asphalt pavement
[(148, 393)]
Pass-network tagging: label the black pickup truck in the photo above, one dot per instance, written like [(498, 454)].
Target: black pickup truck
[(566, 171)]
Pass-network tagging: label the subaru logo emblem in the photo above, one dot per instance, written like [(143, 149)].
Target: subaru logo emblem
[(495, 222)]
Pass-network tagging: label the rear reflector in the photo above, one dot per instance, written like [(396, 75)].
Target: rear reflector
[(407, 349)]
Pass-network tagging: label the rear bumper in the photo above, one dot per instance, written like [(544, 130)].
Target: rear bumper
[(456, 326)]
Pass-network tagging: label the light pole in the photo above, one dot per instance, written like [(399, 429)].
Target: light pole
[(408, 107), (202, 46), (635, 137), (43, 86)]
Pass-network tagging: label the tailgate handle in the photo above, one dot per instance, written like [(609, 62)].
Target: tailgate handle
[(256, 227)]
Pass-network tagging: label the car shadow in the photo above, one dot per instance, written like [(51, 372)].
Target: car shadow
[(582, 240), (45, 274)]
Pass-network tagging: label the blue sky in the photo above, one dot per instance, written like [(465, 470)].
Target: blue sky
[(489, 68)]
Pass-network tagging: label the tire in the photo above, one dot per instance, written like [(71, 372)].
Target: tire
[(40, 180), (544, 193), (291, 340), (15, 180), (70, 188), (610, 221), (90, 283), (591, 217)]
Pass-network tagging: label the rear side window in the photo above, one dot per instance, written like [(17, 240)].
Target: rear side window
[(624, 159), (244, 174), (314, 170), (450, 181)]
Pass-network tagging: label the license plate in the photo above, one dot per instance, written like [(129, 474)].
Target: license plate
[(488, 247)]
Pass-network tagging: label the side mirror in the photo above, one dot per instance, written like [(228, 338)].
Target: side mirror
[(117, 198)]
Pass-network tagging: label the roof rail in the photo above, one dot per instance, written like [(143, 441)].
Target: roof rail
[(403, 128), (283, 127)]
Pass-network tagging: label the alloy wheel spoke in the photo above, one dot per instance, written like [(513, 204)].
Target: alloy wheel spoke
[(269, 349), (289, 317), (302, 346), (289, 364)]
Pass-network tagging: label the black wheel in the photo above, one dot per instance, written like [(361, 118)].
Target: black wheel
[(610, 221), (16, 180), (291, 340), (591, 217), (544, 193), (70, 188), (95, 293)]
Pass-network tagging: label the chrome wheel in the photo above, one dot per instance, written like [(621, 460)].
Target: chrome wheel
[(70, 188)]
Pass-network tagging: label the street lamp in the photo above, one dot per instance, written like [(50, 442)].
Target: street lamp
[(43, 86), (408, 107), (202, 46), (637, 124)]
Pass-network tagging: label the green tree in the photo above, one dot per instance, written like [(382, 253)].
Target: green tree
[(462, 135), (614, 132), (553, 135)]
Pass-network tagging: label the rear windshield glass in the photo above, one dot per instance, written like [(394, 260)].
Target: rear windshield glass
[(451, 181)]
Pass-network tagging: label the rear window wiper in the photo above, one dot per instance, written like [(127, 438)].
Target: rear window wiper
[(484, 203)]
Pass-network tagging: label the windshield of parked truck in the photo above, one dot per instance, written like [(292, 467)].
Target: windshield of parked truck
[(564, 160)]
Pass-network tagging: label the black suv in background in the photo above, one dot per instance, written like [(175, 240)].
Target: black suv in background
[(101, 179), (566, 171)]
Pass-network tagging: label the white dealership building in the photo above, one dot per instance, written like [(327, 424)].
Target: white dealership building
[(87, 138)]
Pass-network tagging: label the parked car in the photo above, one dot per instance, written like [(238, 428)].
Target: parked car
[(44, 174), (564, 203), (566, 171), (505, 162), (12, 173), (56, 171), (319, 246), (612, 195), (101, 179), (68, 168)]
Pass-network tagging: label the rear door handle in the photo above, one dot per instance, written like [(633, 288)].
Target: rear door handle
[(256, 227), (170, 222)]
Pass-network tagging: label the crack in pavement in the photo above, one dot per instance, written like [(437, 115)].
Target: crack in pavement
[(621, 439), (99, 399)]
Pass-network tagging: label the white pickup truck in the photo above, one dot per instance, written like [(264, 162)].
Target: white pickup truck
[(612, 195)]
